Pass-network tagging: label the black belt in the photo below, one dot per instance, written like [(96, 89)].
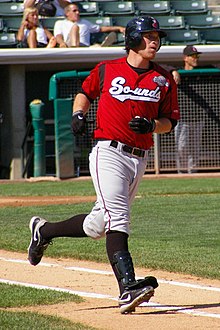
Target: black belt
[(133, 151)]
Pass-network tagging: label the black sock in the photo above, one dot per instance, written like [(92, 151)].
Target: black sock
[(72, 227), (116, 241)]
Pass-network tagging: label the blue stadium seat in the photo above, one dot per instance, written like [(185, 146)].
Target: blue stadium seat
[(11, 9), (185, 7), (117, 8), (203, 21), (153, 7), (183, 36)]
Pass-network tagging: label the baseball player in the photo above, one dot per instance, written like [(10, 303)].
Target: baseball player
[(137, 98)]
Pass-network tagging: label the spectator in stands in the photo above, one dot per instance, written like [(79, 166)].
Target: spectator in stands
[(59, 4), (188, 132), (74, 31), (32, 34)]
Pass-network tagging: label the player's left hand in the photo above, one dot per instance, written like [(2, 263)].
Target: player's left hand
[(78, 123), (141, 125)]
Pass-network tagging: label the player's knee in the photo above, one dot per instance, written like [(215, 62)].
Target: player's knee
[(93, 230)]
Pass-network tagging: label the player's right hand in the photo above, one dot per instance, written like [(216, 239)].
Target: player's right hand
[(78, 123)]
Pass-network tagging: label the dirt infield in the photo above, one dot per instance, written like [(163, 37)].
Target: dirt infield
[(43, 200), (181, 301)]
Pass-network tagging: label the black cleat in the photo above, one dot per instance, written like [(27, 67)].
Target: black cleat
[(37, 244), (133, 298)]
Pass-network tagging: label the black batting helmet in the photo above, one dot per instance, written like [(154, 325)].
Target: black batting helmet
[(138, 25)]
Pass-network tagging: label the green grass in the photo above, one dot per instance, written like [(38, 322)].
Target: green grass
[(61, 188), (175, 227), (28, 320), (184, 240), (17, 296), (174, 223)]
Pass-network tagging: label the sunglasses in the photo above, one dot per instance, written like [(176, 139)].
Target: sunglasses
[(194, 55), (75, 10)]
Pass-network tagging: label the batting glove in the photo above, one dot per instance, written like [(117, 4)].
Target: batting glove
[(78, 123), (141, 125)]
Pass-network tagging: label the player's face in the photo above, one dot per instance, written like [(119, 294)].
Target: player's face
[(192, 60), (150, 44)]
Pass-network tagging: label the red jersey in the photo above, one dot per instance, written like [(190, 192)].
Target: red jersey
[(125, 94)]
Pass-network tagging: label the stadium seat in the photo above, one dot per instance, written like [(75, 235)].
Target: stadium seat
[(152, 7), (117, 8), (122, 20), (120, 40), (166, 22), (97, 38), (171, 22), (184, 36), (1, 24), (210, 36), (185, 7), (203, 21), (103, 0), (12, 23), (48, 22), (11, 9), (101, 20), (8, 40), (88, 8)]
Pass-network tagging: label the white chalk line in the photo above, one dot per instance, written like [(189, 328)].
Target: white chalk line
[(102, 296), (38, 286), (104, 272)]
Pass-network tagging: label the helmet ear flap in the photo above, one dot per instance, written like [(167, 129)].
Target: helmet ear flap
[(133, 39), (159, 45)]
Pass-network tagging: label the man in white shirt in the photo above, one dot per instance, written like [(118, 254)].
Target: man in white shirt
[(74, 31)]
